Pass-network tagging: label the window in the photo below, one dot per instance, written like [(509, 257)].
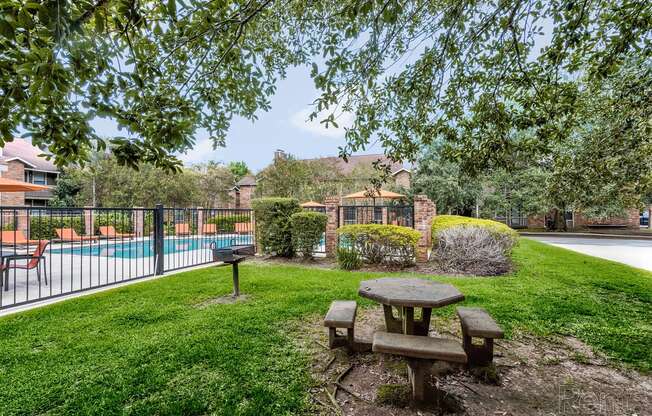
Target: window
[(39, 178), (349, 215), (378, 215)]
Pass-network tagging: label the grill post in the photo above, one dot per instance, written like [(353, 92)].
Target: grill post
[(158, 240)]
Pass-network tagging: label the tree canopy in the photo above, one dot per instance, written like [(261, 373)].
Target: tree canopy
[(495, 80)]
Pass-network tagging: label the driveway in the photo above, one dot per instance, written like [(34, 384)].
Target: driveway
[(637, 253)]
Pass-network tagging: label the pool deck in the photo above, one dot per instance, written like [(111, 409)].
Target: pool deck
[(70, 273)]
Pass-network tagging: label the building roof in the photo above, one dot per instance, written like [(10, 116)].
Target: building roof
[(361, 160), (248, 180), (23, 151)]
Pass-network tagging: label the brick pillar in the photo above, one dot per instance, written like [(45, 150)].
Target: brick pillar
[(21, 220), (89, 228), (332, 206), (385, 219), (424, 212), (200, 220), (138, 220)]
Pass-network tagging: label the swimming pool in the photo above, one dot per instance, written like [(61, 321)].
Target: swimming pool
[(133, 249)]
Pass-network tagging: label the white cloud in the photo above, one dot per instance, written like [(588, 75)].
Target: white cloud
[(300, 119), (200, 152)]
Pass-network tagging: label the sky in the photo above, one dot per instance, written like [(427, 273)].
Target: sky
[(284, 127)]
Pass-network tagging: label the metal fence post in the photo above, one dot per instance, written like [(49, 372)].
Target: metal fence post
[(158, 240)]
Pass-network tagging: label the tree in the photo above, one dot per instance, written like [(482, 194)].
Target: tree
[(68, 189), (215, 181), (445, 184), (300, 179), (162, 69), (110, 184), (239, 169), (159, 69)]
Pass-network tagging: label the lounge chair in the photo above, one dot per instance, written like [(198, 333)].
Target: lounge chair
[(110, 232), (15, 238), (69, 235), (243, 227), (33, 261), (181, 229), (209, 229)]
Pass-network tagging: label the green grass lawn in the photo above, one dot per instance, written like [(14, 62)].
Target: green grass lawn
[(147, 348)]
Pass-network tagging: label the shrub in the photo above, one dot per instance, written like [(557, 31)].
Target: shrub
[(307, 230), (42, 227), (473, 249), (227, 223), (443, 222), (121, 221), (273, 226), (348, 259), (377, 243)]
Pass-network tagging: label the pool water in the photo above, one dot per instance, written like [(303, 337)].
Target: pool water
[(133, 249)]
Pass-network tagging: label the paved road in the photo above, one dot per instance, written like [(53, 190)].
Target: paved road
[(637, 253)]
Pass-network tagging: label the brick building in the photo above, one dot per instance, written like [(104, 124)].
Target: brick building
[(243, 192), (575, 220), (21, 161)]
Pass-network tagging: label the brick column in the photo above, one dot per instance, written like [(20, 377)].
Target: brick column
[(21, 220), (138, 220), (200, 220), (89, 228), (424, 212), (332, 206)]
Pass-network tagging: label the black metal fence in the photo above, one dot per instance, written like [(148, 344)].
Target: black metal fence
[(402, 215), (50, 252), (189, 233)]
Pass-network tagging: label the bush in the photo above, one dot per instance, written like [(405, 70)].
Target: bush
[(443, 222), (307, 230), (273, 226), (348, 259), (473, 249), (121, 221), (227, 223), (376, 243), (42, 227)]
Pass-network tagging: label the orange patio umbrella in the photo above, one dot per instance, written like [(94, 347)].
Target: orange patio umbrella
[(374, 194), (10, 185), (312, 204)]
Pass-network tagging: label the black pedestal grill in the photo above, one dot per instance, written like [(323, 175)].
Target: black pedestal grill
[(233, 255)]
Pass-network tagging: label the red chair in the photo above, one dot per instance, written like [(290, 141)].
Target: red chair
[(34, 261)]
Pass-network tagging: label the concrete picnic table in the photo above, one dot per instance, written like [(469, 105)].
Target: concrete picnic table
[(406, 295)]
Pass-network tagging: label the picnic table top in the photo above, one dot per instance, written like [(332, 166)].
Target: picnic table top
[(419, 293)]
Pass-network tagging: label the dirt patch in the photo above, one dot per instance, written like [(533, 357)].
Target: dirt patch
[(222, 300), (531, 377)]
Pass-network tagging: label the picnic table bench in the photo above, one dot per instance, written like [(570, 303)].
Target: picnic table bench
[(476, 322), (421, 353)]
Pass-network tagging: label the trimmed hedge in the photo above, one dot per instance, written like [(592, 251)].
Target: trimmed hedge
[(121, 221), (42, 227), (378, 243), (273, 225), (307, 230), (227, 223), (443, 222)]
